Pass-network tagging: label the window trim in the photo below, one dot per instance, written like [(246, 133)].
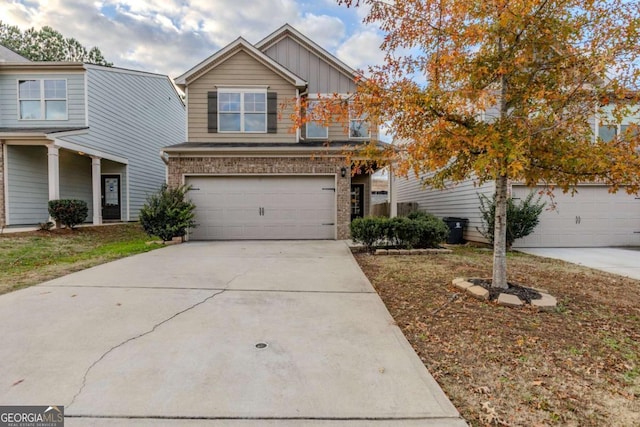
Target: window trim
[(242, 92), (312, 99), (43, 99)]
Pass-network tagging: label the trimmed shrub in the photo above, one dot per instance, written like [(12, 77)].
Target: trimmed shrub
[(403, 232), (68, 212), (431, 231), (369, 230), (421, 230), (167, 214), (522, 218)]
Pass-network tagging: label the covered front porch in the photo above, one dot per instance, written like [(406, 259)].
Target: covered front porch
[(39, 166)]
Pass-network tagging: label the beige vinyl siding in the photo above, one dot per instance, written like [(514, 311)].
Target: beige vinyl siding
[(460, 200), (239, 70)]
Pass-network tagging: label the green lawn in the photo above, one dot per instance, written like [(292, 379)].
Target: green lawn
[(30, 258)]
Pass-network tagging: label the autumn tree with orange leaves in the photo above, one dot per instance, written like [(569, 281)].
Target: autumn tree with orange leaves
[(507, 91)]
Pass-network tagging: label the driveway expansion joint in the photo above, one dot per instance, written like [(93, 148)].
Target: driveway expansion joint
[(128, 340), (263, 418)]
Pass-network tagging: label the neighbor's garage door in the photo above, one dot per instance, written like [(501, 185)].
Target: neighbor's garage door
[(592, 217), (251, 207)]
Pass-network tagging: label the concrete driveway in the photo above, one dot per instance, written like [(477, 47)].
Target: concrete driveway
[(217, 333), (621, 261)]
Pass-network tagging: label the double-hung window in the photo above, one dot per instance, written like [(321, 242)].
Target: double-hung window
[(359, 127), (242, 110), (315, 129), (42, 99)]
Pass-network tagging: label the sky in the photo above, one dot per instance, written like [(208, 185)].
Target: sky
[(171, 36)]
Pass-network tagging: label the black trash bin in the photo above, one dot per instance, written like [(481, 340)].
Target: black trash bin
[(456, 229)]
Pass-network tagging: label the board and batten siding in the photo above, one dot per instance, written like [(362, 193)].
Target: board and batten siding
[(239, 70), (459, 200), (322, 76), (133, 115), (324, 79), (29, 189), (75, 100)]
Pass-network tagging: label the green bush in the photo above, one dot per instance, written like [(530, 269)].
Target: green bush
[(369, 231), (68, 212), (403, 232), (522, 218), (167, 214), (419, 230), (431, 231)]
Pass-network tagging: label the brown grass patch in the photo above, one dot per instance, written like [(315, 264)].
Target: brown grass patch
[(577, 366)]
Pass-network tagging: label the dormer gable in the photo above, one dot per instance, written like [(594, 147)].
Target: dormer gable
[(239, 45)]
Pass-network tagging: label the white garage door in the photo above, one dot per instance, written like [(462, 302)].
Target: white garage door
[(270, 207), (592, 217)]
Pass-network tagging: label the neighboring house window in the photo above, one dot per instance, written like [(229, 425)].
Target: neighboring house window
[(610, 132), (607, 132), (358, 126), (42, 99), (242, 111), (315, 130)]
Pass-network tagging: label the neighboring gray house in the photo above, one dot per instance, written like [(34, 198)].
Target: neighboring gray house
[(253, 175), (592, 217), (72, 130)]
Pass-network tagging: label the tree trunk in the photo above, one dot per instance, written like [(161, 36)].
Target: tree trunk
[(500, 235)]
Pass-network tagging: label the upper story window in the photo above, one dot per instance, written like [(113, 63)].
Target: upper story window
[(359, 127), (42, 99), (242, 110), (609, 132), (314, 129)]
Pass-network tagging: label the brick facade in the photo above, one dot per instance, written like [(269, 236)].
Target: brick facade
[(198, 165), (3, 220)]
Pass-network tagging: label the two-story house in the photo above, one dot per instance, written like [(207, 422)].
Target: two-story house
[(81, 131), (253, 174)]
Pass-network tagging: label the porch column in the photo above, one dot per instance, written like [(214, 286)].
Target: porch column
[(96, 190), (54, 172)]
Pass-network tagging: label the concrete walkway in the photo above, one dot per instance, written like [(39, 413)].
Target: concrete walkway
[(621, 261), (217, 334)]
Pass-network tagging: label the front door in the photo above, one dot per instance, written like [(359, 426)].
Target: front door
[(111, 197), (357, 201)]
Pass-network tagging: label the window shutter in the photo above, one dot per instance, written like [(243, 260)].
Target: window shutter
[(272, 112), (212, 112)]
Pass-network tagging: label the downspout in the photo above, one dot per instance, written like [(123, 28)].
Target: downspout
[(298, 97), (165, 159)]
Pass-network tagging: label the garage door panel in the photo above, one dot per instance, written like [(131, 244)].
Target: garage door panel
[(592, 217), (294, 207)]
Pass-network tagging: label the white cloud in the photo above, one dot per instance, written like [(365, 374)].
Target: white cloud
[(171, 36), (326, 31), (362, 49)]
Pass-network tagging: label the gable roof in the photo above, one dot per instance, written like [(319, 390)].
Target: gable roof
[(8, 55), (288, 31), (228, 51)]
